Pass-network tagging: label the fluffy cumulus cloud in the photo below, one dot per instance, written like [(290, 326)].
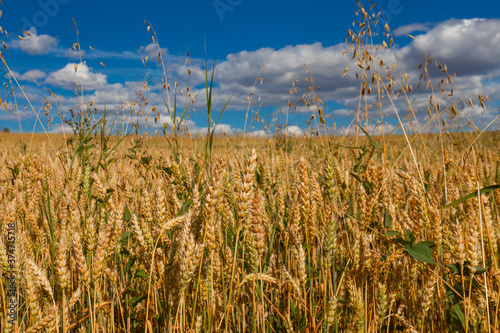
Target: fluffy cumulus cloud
[(61, 128), (186, 124), (220, 129), (343, 112), (372, 129), (467, 47), (35, 44), (238, 73), (258, 134), (15, 116), (293, 131), (31, 76), (72, 74), (116, 94), (411, 28), (150, 50)]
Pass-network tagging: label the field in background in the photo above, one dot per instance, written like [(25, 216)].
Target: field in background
[(14, 142), (314, 235)]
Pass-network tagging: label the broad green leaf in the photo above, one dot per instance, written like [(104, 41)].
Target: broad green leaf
[(454, 297), (366, 184), (127, 215), (480, 270), (409, 237), (459, 314), (428, 243), (471, 195), (392, 233), (125, 237), (141, 273), (185, 207), (421, 252), (455, 268), (146, 160), (136, 301), (387, 219), (129, 264)]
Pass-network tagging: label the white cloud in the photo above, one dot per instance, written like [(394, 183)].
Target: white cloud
[(467, 47), (220, 129), (372, 129), (414, 27), (306, 109), (237, 73), (191, 127), (116, 94), (166, 119), (36, 44), (293, 131), (31, 76), (67, 78), (61, 128), (73, 53), (344, 112), (15, 115), (259, 134), (151, 50)]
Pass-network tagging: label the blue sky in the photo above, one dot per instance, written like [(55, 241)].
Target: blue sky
[(244, 35)]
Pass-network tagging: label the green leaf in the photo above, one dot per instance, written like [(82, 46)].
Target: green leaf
[(421, 252), (125, 252), (258, 176), (185, 207), (455, 269), (471, 195), (129, 264), (146, 160), (387, 219), (127, 215), (454, 296), (141, 273), (409, 237), (392, 233), (396, 237), (366, 184), (480, 270), (136, 301), (14, 170), (369, 137), (132, 157), (428, 243), (394, 130), (124, 237), (459, 314), (456, 313)]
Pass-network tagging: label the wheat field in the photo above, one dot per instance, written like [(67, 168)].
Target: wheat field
[(320, 233), (261, 240)]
